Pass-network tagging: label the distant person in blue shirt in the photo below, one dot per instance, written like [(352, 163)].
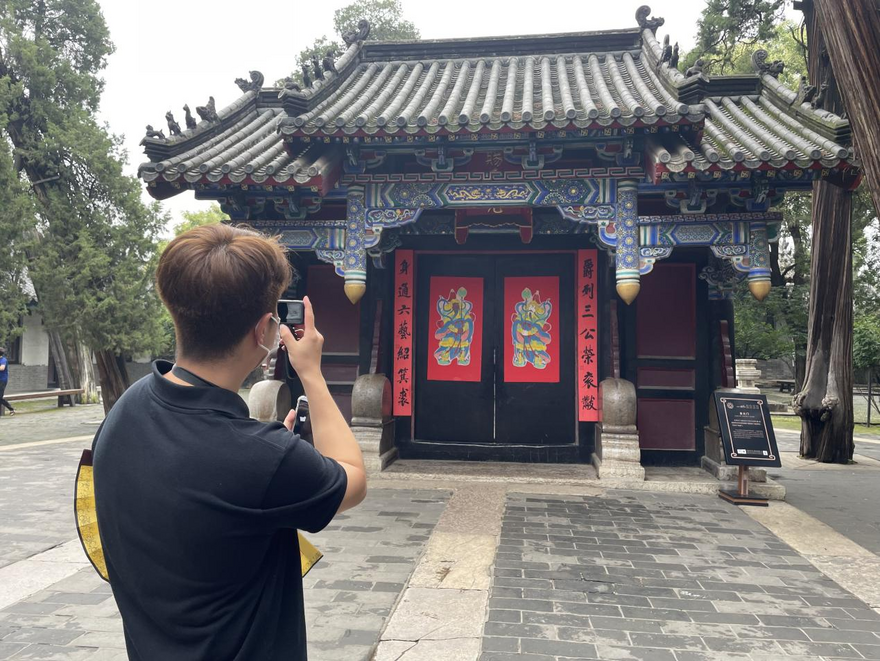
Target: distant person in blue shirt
[(4, 379)]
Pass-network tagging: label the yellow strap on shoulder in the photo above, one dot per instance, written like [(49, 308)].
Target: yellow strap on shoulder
[(87, 523)]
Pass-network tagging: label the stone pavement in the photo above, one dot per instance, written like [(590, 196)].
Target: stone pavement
[(36, 499), (55, 423), (493, 566), (661, 577), (369, 556)]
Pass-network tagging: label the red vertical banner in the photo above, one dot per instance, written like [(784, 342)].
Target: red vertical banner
[(588, 337), (402, 378), (531, 329), (456, 329)]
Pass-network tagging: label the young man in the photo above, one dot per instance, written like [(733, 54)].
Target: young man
[(4, 381), (198, 505)]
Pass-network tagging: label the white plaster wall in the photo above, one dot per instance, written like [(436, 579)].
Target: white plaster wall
[(34, 341)]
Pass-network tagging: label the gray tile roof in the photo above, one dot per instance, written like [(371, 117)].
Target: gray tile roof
[(751, 131), (531, 91), (570, 81)]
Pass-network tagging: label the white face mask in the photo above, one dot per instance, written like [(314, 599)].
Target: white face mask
[(273, 345)]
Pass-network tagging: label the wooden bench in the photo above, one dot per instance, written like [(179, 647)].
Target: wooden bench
[(64, 396), (785, 385)]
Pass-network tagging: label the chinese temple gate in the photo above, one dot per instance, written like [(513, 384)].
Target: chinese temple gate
[(535, 239)]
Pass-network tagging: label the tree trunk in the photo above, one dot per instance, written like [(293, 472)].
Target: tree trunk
[(851, 34), (114, 377), (84, 371), (62, 365), (825, 402)]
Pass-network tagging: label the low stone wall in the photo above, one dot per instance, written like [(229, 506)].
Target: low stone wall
[(27, 378)]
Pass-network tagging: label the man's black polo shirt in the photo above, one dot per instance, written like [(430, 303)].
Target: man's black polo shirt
[(198, 507)]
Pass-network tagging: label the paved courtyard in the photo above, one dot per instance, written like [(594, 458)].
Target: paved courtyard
[(661, 578), (489, 569)]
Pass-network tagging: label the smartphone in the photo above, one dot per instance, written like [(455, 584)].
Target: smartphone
[(292, 312), (302, 425)]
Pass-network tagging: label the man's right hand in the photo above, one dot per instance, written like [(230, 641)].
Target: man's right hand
[(304, 353)]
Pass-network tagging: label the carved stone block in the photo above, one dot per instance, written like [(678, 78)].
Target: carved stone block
[(617, 454), (371, 421)]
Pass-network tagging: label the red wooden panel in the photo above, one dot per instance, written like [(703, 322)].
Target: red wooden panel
[(666, 313), (340, 373), (666, 424), (335, 316), (661, 377)]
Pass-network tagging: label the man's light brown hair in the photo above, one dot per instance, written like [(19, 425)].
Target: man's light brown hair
[(217, 281)]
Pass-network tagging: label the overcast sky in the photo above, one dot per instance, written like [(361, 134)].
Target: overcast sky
[(169, 52)]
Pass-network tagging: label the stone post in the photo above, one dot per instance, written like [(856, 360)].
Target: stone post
[(371, 421), (747, 375), (617, 453)]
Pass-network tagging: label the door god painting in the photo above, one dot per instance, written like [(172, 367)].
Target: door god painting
[(530, 330), (456, 329), (532, 319)]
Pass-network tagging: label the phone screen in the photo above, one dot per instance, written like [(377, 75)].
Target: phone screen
[(291, 312)]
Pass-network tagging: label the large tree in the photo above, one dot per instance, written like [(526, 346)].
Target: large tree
[(386, 24), (93, 243), (725, 26)]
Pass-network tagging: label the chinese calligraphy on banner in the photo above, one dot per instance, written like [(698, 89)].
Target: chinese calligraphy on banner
[(455, 344), (531, 327), (587, 341), (402, 378)]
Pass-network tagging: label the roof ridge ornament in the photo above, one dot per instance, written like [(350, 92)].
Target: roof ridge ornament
[(173, 127), (255, 84), (152, 134), (328, 61), (646, 23), (208, 112), (696, 69), (763, 67), (188, 118), (360, 34)]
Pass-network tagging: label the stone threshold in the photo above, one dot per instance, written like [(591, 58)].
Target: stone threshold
[(665, 479)]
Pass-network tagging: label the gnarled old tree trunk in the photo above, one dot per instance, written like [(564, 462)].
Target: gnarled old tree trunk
[(825, 403), (114, 377), (851, 34)]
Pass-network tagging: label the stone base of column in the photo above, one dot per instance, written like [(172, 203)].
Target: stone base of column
[(269, 400), (617, 453), (370, 436)]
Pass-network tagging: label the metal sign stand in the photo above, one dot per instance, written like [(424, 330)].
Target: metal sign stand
[(741, 495)]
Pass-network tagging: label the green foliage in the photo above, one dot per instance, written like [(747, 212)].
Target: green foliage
[(727, 26), (386, 24), (92, 242), (866, 341), (16, 216), (385, 17), (774, 328)]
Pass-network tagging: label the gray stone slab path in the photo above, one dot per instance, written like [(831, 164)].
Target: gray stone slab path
[(46, 425), (36, 499), (664, 578), (369, 556)]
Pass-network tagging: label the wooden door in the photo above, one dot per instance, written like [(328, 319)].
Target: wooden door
[(495, 349), (666, 342), (455, 382), (535, 368)]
